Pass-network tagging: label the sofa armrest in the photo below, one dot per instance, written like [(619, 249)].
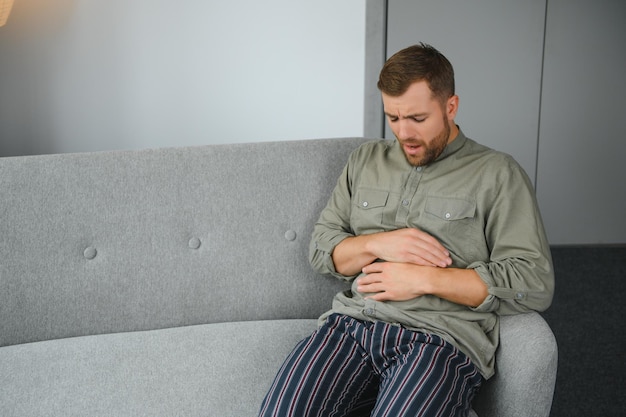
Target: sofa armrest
[(526, 366)]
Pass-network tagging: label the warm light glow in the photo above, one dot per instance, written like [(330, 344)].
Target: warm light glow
[(5, 10)]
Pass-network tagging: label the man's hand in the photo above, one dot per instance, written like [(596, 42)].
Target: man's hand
[(410, 245), (390, 281)]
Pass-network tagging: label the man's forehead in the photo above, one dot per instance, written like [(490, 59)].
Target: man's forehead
[(417, 100), (408, 108)]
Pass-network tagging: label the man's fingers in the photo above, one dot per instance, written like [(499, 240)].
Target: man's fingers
[(426, 250), (429, 255), (410, 245), (432, 250)]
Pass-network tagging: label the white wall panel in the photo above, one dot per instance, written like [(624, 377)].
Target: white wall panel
[(84, 75)]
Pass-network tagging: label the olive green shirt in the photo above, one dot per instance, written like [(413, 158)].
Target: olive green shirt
[(478, 203)]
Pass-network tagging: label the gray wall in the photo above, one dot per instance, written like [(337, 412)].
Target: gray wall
[(87, 75), (542, 80), (581, 177), (495, 47)]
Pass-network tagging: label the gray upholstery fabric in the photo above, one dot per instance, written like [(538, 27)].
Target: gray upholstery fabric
[(100, 250), (527, 358), (220, 370), (142, 214)]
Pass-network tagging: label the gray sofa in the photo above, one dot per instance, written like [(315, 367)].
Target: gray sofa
[(173, 282)]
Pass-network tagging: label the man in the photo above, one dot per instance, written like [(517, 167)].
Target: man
[(439, 237)]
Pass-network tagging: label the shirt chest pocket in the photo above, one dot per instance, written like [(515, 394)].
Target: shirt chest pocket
[(457, 224), (367, 211), (450, 209)]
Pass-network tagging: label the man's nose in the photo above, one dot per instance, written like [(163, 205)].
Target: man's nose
[(404, 130)]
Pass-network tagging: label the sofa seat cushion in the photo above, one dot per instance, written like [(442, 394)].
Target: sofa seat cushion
[(216, 370)]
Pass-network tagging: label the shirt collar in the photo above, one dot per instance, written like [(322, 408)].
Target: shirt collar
[(453, 146)]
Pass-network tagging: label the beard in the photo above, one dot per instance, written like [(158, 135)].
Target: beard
[(432, 150)]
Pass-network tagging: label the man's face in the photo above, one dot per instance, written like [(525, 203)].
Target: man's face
[(420, 122)]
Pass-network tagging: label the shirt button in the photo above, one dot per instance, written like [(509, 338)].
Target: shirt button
[(405, 202), (447, 215), (369, 312), (365, 204), (419, 169), (519, 295)]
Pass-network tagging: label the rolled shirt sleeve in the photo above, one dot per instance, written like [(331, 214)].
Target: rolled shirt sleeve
[(519, 273), (332, 227)]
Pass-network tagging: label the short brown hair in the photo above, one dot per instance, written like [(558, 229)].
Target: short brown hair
[(416, 63)]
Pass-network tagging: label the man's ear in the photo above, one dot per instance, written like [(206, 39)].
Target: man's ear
[(452, 106)]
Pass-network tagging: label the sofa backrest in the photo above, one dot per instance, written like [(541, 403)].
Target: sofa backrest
[(134, 240)]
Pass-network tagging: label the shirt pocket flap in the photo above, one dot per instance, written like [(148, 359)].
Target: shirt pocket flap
[(450, 208), (369, 199)]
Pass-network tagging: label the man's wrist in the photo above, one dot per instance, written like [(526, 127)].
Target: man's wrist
[(461, 286)]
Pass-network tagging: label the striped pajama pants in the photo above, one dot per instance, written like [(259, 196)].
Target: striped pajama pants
[(350, 368)]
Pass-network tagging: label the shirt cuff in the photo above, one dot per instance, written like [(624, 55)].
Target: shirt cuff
[(326, 248), (493, 301)]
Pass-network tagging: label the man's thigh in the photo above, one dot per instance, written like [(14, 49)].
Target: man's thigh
[(327, 374), (427, 376)]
